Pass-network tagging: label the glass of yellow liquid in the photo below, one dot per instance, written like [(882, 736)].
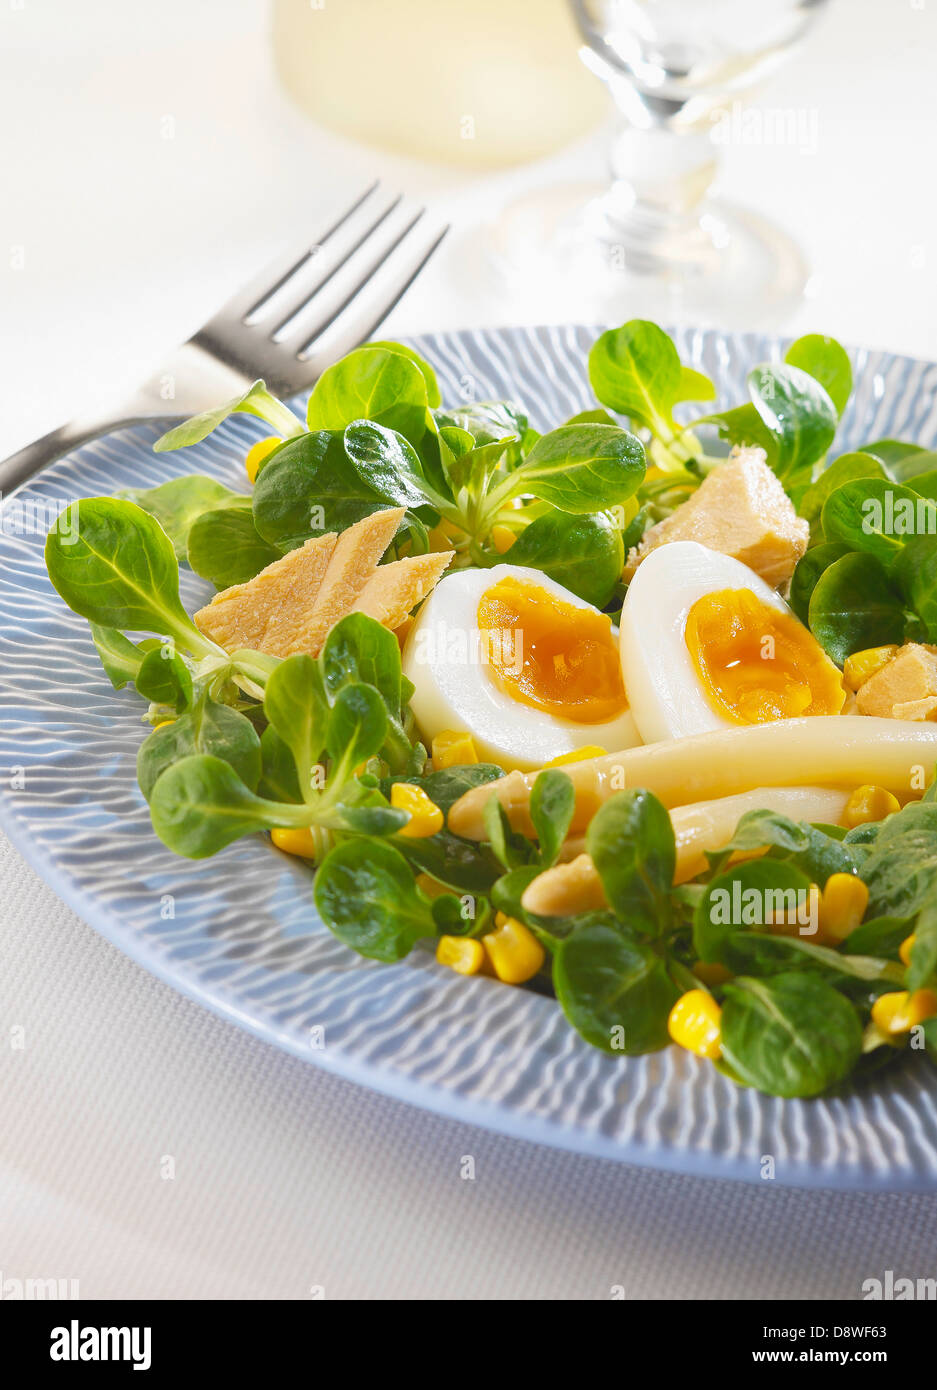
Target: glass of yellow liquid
[(477, 83)]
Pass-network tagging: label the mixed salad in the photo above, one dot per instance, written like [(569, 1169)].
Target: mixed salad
[(640, 710)]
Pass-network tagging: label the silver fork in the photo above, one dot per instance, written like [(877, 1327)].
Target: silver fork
[(312, 305)]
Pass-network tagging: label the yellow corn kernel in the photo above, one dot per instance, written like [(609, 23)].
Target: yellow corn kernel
[(578, 755), (868, 803), (694, 1023), (842, 906), (513, 952), (712, 973), (905, 949), (163, 724), (299, 841), (859, 667), (502, 538), (453, 748), (431, 886), (425, 816), (900, 1011), (258, 452), (463, 954)]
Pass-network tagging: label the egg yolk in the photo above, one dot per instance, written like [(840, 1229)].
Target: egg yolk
[(757, 663), (550, 654)]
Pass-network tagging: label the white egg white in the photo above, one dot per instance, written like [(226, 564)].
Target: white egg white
[(453, 686), (666, 695)]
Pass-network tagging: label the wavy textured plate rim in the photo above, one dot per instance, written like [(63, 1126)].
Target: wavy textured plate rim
[(499, 1115)]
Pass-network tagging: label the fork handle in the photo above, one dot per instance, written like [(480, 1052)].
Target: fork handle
[(28, 461)]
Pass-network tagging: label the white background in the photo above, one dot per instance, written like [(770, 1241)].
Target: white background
[(288, 1180)]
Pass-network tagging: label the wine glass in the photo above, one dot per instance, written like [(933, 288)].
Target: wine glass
[(655, 243)]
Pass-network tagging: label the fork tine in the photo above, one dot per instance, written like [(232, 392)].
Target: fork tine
[(355, 323), (312, 306), (262, 287)]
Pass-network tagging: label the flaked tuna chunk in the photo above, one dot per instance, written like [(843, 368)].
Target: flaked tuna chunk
[(394, 590), (261, 613)]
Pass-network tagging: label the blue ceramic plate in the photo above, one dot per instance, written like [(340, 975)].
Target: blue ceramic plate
[(239, 932)]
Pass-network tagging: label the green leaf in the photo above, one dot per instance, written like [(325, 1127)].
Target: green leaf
[(359, 649), (747, 895), (635, 370), (386, 463), (446, 786), (357, 725), (509, 847), (846, 469), (797, 411), (879, 936), (176, 504), (114, 564), (486, 421), (584, 553), (614, 989), (901, 867), (791, 1035), (256, 400), (896, 454), (210, 728), (818, 854), (371, 383), (916, 574), (631, 841), (429, 376), (226, 548), (583, 468), (854, 606), (295, 705), (120, 657), (278, 779), (463, 865), (165, 679), (807, 573), (876, 516), (310, 486), (827, 361), (365, 894), (694, 386), (552, 803), (923, 965), (744, 426), (199, 805)]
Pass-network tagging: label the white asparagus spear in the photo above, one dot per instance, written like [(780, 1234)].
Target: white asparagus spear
[(838, 750), (574, 886)]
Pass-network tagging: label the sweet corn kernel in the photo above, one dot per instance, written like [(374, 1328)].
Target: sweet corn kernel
[(694, 1023), (431, 886), (163, 724), (513, 952), (905, 949), (425, 816), (900, 1012), (859, 667), (842, 906), (869, 803), (453, 748), (258, 452), (578, 755), (299, 841), (502, 538), (712, 973), (463, 954)]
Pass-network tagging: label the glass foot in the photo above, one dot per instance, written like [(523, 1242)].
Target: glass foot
[(592, 255)]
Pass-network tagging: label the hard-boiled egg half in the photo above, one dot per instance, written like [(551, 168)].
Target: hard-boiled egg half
[(528, 669), (706, 643)]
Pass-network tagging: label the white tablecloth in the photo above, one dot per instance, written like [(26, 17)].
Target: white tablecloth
[(288, 1181)]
